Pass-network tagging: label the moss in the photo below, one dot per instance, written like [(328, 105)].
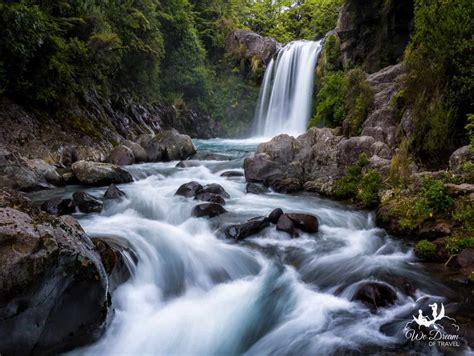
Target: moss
[(425, 250)]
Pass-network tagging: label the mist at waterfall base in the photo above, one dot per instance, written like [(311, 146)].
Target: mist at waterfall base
[(193, 292), (285, 100)]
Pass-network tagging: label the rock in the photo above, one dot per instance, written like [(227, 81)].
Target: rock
[(261, 168), (375, 295), (45, 172), (59, 206), (113, 192), (288, 185), (232, 174), (281, 149), (460, 189), (460, 158), (251, 227), (115, 253), (253, 188), (210, 197), (167, 146), (209, 210), (189, 189), (216, 157), (275, 215), (432, 230), (215, 189), (86, 203), (465, 261), (187, 164), (285, 224), (245, 44), (121, 156), (138, 151), (97, 174), (306, 222), (53, 285)]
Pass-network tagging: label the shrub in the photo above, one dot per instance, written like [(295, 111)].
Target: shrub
[(456, 244), (400, 165), (425, 250), (368, 188), (436, 195), (358, 100)]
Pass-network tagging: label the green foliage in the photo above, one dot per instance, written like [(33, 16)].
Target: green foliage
[(425, 250), (439, 82), (359, 98), (330, 100), (436, 196), (363, 187), (456, 244), (400, 165), (470, 130)]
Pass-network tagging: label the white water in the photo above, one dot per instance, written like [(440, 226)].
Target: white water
[(195, 293), (285, 101)]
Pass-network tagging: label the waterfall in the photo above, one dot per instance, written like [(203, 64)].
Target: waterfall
[(284, 104)]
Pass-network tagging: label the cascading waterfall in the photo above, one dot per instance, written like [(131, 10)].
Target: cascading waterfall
[(284, 104)]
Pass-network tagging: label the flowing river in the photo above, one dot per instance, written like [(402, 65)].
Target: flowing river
[(193, 292)]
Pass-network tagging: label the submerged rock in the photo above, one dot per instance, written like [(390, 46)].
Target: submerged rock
[(232, 174), (53, 285), (209, 210), (210, 197), (254, 188), (113, 192), (94, 173), (187, 164), (59, 206), (375, 295), (87, 203), (121, 156), (189, 190), (251, 227)]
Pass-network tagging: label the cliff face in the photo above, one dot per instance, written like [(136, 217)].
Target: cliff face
[(374, 33)]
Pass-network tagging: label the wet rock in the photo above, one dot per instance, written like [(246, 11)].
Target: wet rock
[(285, 224), (306, 222), (281, 149), (114, 253), (189, 189), (261, 168), (251, 227), (59, 206), (113, 192), (187, 164), (167, 146), (210, 197), (288, 185), (87, 203), (121, 156), (216, 157), (215, 189), (432, 230), (375, 295), (275, 215), (459, 158), (138, 151), (232, 174), (253, 188), (97, 174), (53, 285), (209, 210), (465, 262)]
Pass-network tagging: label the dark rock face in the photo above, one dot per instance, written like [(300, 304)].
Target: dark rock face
[(285, 224), (374, 34), (375, 295), (306, 222), (121, 156), (53, 285), (112, 251), (251, 227), (275, 215), (167, 146), (86, 203), (59, 206), (465, 261), (254, 188), (215, 189), (232, 174), (113, 192), (97, 174), (210, 197), (208, 210), (189, 189), (245, 44)]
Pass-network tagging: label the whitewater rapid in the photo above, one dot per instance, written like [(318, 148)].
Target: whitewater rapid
[(193, 292)]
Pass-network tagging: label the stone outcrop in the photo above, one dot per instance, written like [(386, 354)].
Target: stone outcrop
[(311, 161), (460, 158), (246, 44), (121, 155), (167, 146), (97, 174)]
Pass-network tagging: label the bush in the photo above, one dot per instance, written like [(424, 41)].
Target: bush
[(358, 100), (400, 165), (436, 195), (456, 244), (369, 187), (425, 250)]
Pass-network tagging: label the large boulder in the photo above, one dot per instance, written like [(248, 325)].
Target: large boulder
[(251, 227), (208, 210), (245, 44), (260, 168), (167, 146), (54, 293), (189, 190), (113, 192), (306, 222), (460, 158), (87, 203), (98, 174), (215, 188), (285, 224), (59, 206), (121, 155), (138, 151)]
